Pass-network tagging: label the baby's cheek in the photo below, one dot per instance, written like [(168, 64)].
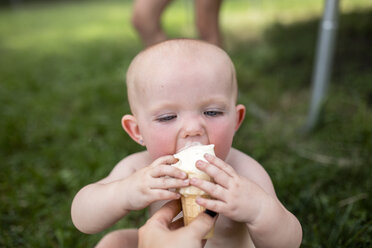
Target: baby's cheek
[(222, 137), (222, 149), (160, 146)]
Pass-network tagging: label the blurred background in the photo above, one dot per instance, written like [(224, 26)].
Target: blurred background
[(62, 95)]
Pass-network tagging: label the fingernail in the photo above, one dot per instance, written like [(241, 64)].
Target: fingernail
[(199, 162), (186, 182), (207, 155), (210, 213)]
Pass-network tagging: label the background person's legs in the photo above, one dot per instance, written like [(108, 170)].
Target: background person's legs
[(207, 20), (147, 20), (120, 238)]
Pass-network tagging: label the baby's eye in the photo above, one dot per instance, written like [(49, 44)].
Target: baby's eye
[(166, 118), (213, 113)]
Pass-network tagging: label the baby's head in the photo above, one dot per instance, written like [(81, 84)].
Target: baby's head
[(159, 64), (170, 84)]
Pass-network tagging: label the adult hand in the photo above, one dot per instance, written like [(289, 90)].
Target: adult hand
[(160, 232)]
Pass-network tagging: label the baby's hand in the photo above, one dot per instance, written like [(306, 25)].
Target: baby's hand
[(152, 183), (236, 197)]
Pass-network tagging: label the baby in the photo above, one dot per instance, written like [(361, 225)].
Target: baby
[(182, 92)]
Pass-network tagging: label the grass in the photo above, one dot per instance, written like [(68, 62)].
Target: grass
[(62, 96)]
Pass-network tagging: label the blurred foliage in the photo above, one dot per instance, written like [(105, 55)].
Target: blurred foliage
[(18, 3), (22, 3)]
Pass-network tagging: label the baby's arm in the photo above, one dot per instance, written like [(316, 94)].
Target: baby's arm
[(251, 199), (130, 186)]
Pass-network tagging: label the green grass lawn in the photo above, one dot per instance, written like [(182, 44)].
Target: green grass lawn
[(62, 96)]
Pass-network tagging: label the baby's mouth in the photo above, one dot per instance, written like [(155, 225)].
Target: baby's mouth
[(189, 144)]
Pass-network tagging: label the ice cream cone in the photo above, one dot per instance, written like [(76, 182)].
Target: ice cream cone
[(187, 159), (191, 210)]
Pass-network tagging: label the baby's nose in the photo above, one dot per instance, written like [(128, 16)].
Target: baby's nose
[(192, 128)]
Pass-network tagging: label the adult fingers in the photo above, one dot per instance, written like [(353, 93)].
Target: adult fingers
[(176, 224), (165, 214), (201, 225)]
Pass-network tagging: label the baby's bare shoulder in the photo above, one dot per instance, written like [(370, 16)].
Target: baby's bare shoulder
[(127, 166), (136, 160), (246, 166)]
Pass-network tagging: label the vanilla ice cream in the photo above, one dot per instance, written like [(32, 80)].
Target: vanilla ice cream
[(187, 160)]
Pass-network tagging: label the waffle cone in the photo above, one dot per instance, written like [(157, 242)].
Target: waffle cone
[(191, 210), (189, 206)]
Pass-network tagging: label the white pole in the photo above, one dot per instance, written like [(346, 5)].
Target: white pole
[(323, 61)]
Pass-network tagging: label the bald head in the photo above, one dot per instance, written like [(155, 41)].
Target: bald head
[(146, 69)]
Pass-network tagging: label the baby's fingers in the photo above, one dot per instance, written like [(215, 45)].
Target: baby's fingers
[(161, 194), (214, 190), (220, 164), (167, 170), (168, 160), (216, 173), (169, 183), (214, 205)]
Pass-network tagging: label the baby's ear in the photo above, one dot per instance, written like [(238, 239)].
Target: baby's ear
[(130, 125), (240, 114)]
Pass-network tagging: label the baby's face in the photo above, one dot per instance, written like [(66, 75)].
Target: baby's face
[(183, 101)]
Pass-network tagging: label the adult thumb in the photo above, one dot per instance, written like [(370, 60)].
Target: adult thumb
[(202, 224)]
